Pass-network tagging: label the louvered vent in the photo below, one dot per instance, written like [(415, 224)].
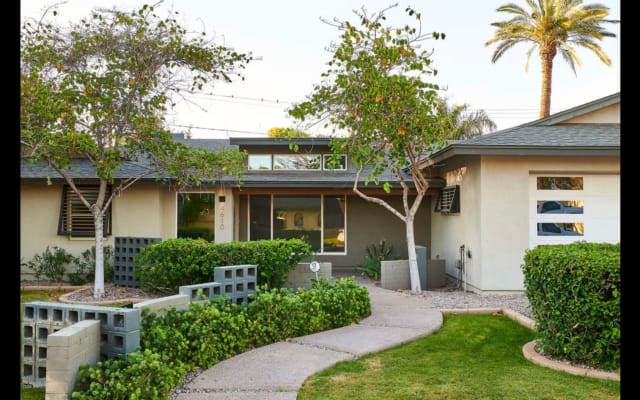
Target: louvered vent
[(448, 200), (76, 219)]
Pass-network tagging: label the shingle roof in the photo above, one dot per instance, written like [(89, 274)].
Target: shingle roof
[(576, 135), (83, 170), (546, 136)]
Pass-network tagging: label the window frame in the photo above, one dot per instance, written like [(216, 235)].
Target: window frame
[(285, 155), (327, 156), (79, 213), (321, 210)]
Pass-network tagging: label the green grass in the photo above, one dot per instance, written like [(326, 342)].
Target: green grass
[(471, 357), (32, 394)]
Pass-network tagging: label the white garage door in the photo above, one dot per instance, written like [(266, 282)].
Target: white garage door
[(574, 207)]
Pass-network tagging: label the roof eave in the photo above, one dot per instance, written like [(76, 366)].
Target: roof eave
[(457, 150)]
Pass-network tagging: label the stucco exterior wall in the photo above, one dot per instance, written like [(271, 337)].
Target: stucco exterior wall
[(143, 210), (495, 216), (606, 115), (368, 223), (449, 232), (505, 210)]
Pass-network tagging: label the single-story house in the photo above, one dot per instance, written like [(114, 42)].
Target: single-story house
[(284, 194), (554, 180)]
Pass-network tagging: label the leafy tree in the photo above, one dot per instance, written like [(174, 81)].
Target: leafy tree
[(552, 26), (286, 133), (98, 89), (375, 89), (466, 123)]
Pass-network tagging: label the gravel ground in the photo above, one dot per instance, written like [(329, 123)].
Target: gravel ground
[(454, 299)]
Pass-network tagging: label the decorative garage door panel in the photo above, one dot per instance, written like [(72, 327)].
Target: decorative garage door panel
[(565, 208)]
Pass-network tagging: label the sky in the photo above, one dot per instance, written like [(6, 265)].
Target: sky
[(290, 41)]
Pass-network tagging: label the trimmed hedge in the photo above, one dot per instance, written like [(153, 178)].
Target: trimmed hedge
[(574, 293), (167, 265), (186, 340)]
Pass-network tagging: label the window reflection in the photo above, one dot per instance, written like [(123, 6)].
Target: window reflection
[(296, 161), (259, 161), (196, 214), (319, 220), (560, 229), (560, 183), (560, 207)]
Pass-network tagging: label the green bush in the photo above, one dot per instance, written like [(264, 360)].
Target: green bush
[(374, 255), (195, 232), (86, 266), (180, 341), (216, 330), (51, 263), (139, 376), (574, 292), (173, 263)]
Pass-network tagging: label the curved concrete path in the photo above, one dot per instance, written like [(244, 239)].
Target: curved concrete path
[(277, 371)]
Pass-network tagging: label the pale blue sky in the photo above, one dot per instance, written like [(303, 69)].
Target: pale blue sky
[(291, 40)]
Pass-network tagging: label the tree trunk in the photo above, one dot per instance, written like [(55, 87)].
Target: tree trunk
[(545, 94), (98, 286), (414, 274)]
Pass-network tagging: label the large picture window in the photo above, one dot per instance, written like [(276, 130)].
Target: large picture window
[(317, 219), (75, 219), (196, 215)]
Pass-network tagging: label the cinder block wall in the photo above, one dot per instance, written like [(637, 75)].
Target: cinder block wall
[(301, 276), (160, 305), (67, 350)]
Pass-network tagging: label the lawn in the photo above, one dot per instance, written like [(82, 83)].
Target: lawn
[(471, 357)]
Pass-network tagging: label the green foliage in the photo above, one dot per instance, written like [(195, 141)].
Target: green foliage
[(195, 232), (99, 89), (374, 255), (375, 88), (216, 330), (86, 266), (376, 91), (201, 337), (173, 263), (574, 292), (286, 133), (51, 263), (143, 375), (552, 27)]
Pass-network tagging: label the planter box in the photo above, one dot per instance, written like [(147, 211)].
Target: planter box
[(394, 274), (302, 276)]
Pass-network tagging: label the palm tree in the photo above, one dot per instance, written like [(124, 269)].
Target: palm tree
[(465, 123), (553, 26)]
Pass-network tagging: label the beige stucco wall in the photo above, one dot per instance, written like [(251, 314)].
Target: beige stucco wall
[(140, 211), (494, 218), (505, 209), (449, 232), (606, 115)]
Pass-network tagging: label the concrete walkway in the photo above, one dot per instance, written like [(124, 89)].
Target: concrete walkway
[(277, 371)]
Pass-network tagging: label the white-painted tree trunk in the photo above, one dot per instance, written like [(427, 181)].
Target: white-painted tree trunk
[(98, 286), (414, 274)]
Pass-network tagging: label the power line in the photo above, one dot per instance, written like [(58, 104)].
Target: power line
[(220, 129)]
